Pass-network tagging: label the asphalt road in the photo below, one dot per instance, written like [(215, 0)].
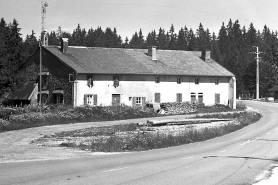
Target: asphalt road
[(236, 158)]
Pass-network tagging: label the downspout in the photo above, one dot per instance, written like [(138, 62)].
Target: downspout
[(75, 85), (234, 92)]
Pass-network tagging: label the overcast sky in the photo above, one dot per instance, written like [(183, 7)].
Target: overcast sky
[(128, 16)]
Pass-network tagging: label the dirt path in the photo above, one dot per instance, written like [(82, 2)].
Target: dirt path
[(15, 145)]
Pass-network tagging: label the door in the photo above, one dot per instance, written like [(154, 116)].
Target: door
[(116, 99), (200, 98), (217, 98)]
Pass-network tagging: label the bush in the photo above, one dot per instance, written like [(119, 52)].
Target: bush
[(60, 114), (4, 124)]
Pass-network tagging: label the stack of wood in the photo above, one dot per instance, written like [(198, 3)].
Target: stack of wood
[(178, 107)]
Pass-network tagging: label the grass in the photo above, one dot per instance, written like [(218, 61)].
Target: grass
[(133, 137)]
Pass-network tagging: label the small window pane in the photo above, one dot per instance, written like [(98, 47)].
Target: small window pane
[(138, 100)]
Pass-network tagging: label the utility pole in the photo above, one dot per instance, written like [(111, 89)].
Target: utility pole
[(40, 43), (257, 74), (43, 42)]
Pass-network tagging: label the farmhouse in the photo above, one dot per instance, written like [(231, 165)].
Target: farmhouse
[(114, 76)]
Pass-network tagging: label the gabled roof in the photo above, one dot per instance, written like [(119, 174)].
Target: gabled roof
[(23, 92), (136, 61)]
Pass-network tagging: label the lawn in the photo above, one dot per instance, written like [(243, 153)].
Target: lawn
[(135, 137)]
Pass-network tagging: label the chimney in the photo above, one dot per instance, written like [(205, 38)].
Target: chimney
[(64, 45), (152, 52), (206, 55)]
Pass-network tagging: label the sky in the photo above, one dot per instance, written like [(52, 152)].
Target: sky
[(128, 16)]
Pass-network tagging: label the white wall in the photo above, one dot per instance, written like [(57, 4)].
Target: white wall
[(145, 86)]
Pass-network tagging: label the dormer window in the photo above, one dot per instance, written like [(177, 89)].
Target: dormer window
[(157, 79), (90, 80), (116, 81), (178, 80), (197, 81), (216, 81)]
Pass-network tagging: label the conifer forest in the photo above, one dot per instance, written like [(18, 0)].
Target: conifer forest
[(233, 47)]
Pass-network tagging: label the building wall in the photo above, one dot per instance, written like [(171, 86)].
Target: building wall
[(145, 86), (58, 76)]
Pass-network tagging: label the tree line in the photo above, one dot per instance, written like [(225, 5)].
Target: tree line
[(233, 47)]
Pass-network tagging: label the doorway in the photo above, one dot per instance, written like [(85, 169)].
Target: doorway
[(116, 99)]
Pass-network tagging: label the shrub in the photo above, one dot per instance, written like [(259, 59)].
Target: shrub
[(4, 124)]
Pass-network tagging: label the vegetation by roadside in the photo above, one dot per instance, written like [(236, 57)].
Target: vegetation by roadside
[(134, 137), (13, 118)]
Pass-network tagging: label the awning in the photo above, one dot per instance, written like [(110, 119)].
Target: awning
[(44, 73), (44, 92), (58, 92)]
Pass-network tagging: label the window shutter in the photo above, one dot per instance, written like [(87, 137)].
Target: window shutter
[(133, 101), (85, 99), (157, 97), (179, 97), (143, 101), (95, 99)]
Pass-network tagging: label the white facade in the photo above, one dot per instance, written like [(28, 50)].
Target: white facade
[(209, 90)]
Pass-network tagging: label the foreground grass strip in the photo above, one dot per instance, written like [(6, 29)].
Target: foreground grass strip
[(132, 137)]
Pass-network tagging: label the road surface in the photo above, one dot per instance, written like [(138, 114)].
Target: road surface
[(236, 158)]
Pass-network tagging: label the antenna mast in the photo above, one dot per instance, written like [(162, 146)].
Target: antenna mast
[(44, 37)]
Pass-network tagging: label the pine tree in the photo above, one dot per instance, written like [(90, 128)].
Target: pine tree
[(201, 38), (108, 38), (117, 41), (134, 41), (151, 39), (182, 41), (173, 38), (10, 55), (192, 42), (78, 37), (162, 41), (30, 45)]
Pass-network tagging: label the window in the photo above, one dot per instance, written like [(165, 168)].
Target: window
[(179, 97), (59, 98), (157, 79), (196, 80), (90, 99), (178, 80), (216, 81), (116, 81), (157, 97), (71, 78), (193, 97), (138, 100)]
